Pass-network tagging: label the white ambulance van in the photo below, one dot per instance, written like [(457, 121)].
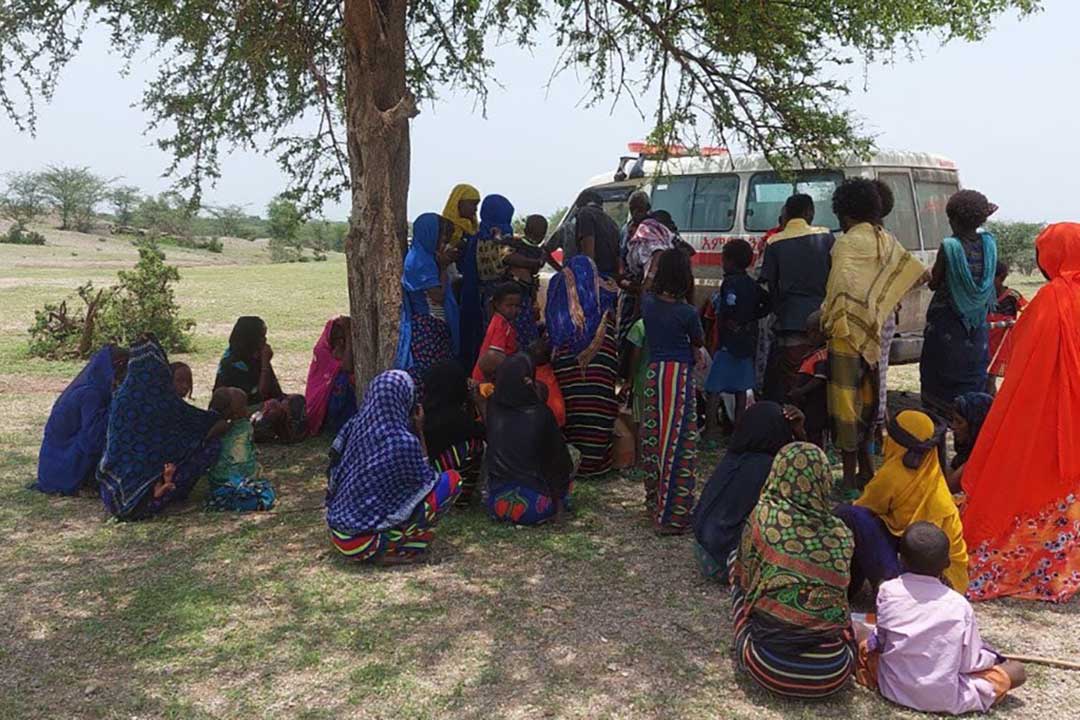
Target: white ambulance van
[(714, 197)]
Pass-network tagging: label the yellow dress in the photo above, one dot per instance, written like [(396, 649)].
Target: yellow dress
[(901, 496)]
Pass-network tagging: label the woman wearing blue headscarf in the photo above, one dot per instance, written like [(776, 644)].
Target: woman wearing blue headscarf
[(75, 432), (584, 355), (956, 341), (481, 267), (383, 497), (429, 327), (158, 446)]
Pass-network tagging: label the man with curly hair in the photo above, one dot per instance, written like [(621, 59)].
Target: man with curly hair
[(870, 272)]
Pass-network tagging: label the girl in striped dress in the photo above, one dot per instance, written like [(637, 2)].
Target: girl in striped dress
[(669, 433), (581, 326)]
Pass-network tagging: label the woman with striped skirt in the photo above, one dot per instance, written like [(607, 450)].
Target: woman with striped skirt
[(669, 432), (789, 582), (580, 322)]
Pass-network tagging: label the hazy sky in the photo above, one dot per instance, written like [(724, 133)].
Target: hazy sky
[(1001, 108)]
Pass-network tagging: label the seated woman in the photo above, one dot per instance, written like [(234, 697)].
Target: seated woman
[(968, 415), (235, 482), (789, 582), (454, 434), (529, 466), (330, 395), (909, 487), (383, 498), (74, 436), (246, 365), (733, 490), (158, 446)]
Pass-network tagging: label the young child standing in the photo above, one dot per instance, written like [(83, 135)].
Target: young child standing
[(501, 341), (926, 653), (669, 433), (1010, 303), (737, 308), (811, 385)]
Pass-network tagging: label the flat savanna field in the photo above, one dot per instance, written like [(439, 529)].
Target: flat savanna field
[(197, 615)]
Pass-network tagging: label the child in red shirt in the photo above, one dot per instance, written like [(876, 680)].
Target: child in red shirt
[(500, 342)]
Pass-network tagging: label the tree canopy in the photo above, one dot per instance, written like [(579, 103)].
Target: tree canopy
[(268, 75)]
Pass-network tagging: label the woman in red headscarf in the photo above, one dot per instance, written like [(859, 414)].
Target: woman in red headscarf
[(1022, 521)]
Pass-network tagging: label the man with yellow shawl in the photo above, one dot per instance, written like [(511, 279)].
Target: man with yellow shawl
[(870, 272), (909, 487)]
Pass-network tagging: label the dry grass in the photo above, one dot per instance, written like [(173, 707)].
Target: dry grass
[(218, 616)]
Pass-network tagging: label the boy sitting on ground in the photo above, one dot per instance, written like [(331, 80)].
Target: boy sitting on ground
[(810, 393), (235, 483), (926, 652), (500, 342)]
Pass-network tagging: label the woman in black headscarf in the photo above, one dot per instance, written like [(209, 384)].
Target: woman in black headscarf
[(530, 467), (733, 490), (246, 366), (454, 434)]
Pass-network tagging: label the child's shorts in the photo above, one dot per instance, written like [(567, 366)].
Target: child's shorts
[(730, 374)]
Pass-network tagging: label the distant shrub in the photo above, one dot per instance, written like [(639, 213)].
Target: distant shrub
[(213, 245), (19, 235), (142, 301), (1016, 244)]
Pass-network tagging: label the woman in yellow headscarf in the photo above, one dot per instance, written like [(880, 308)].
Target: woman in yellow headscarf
[(460, 210), (909, 487)]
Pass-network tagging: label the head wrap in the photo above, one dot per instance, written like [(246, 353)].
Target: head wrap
[(463, 226), (515, 382), (323, 369), (973, 407), (379, 473), (735, 485), (1030, 432), (75, 432), (794, 561), (149, 426), (575, 320)]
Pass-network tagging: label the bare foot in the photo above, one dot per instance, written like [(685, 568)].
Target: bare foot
[(165, 484)]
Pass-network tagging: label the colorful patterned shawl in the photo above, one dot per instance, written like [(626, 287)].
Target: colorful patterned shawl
[(574, 315), (794, 561), (870, 272)]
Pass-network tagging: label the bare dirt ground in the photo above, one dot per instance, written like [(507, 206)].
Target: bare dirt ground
[(198, 615)]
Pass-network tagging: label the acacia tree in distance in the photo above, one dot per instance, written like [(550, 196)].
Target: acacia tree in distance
[(250, 73)]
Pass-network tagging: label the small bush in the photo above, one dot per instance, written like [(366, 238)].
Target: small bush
[(213, 245), (142, 302), (19, 235)]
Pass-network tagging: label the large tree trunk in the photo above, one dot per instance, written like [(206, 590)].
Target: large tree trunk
[(378, 107)]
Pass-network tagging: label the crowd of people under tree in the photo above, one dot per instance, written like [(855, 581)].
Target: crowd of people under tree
[(505, 395)]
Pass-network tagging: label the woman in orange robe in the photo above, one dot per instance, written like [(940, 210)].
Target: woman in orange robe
[(1022, 520)]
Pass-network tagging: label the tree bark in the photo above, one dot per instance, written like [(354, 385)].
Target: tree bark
[(378, 107)]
